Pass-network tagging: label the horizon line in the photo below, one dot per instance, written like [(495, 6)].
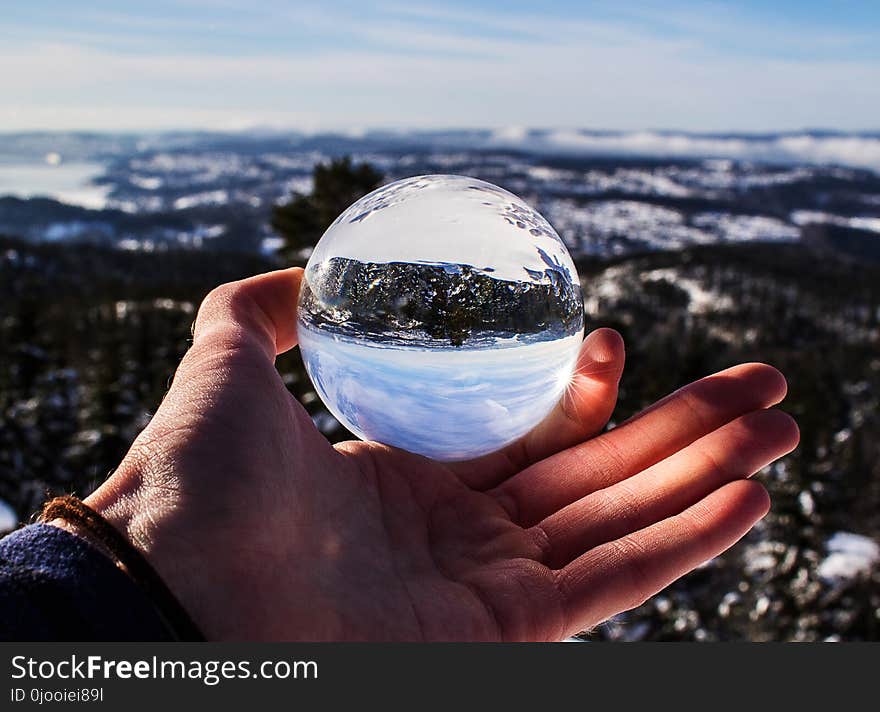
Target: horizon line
[(362, 132)]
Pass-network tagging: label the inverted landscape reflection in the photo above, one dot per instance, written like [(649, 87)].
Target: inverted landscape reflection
[(447, 404)]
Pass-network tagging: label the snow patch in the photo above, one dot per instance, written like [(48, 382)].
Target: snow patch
[(747, 228), (807, 217), (209, 197), (849, 556), (700, 299)]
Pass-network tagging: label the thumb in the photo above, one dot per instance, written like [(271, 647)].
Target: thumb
[(259, 311), (240, 328)]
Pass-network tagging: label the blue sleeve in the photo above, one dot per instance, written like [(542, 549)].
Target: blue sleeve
[(56, 586)]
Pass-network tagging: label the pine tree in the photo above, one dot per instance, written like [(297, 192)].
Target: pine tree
[(337, 184)]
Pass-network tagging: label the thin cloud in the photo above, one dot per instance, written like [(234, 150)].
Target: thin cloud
[(400, 66)]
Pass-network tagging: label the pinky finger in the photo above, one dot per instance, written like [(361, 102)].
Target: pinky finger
[(624, 573)]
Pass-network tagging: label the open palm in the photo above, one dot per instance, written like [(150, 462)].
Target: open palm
[(264, 530)]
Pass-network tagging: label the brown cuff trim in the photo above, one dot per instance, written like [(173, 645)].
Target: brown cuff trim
[(73, 510)]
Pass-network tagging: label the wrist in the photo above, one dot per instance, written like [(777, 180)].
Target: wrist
[(75, 516), (115, 502), (144, 517)]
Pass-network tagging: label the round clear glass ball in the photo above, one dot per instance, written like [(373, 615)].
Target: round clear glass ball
[(442, 315)]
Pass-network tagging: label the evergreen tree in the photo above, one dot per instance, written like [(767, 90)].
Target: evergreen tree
[(337, 184)]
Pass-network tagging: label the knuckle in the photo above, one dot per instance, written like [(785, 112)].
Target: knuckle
[(631, 554), (715, 468), (225, 297), (610, 459), (232, 317), (698, 518), (542, 541), (692, 399), (621, 503)]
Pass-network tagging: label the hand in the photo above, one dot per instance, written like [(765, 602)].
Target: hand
[(266, 531)]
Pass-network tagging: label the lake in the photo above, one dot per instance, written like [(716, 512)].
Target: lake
[(67, 182)]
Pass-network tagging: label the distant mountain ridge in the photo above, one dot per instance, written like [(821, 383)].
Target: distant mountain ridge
[(810, 146)]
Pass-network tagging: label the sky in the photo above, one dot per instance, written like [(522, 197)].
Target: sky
[(346, 65)]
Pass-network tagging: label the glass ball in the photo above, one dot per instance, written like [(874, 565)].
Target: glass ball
[(442, 315)]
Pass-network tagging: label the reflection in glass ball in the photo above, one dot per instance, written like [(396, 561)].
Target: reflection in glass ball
[(442, 315)]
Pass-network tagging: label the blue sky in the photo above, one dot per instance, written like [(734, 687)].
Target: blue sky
[(712, 66)]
